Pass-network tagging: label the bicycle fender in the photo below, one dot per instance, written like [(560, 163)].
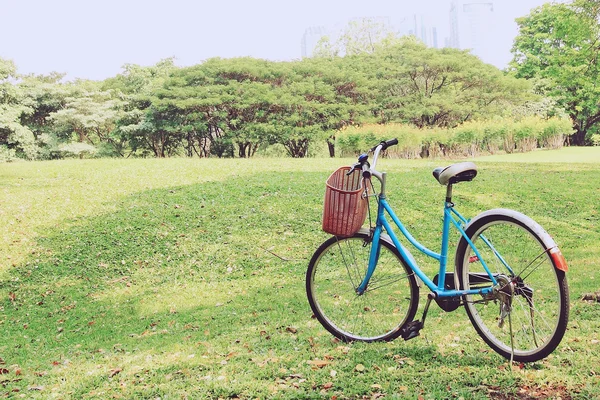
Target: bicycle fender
[(549, 243)]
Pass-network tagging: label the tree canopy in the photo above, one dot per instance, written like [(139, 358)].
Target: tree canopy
[(558, 47), (234, 107)]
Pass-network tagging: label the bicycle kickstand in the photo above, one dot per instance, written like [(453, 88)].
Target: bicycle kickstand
[(411, 329)]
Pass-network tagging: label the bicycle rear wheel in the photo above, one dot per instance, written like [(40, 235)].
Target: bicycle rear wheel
[(335, 271), (527, 316)]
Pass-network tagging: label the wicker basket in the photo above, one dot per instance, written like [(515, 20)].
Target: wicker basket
[(345, 206)]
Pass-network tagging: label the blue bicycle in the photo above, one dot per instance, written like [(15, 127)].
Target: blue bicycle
[(363, 284)]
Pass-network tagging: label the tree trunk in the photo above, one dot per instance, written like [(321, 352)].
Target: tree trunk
[(190, 146), (242, 147), (578, 138), (331, 147), (297, 149)]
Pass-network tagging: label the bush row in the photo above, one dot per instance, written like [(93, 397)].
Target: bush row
[(469, 139)]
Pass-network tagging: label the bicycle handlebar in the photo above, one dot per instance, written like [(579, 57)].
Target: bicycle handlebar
[(363, 163), (381, 146), (385, 144)]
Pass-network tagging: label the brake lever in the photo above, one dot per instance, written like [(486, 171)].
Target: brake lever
[(362, 160), (353, 168)]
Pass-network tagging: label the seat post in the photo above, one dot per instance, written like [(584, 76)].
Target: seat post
[(449, 193)]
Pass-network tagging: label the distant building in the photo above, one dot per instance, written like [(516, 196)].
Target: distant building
[(472, 26), (310, 39), (418, 28), (415, 25)]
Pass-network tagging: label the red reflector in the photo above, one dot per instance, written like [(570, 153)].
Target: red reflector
[(559, 259), (473, 259)]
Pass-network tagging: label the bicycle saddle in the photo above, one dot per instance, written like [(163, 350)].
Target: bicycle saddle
[(461, 172)]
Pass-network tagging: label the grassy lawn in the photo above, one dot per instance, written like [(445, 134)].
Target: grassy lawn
[(565, 155), (185, 279)]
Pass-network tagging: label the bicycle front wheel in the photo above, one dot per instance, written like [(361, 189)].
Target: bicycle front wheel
[(336, 270), (526, 316)]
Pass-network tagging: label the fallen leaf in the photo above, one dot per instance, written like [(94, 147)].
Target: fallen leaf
[(359, 368), (328, 385), (114, 372), (318, 363), (291, 329)]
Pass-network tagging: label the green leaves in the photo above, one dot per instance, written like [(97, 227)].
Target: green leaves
[(233, 107), (429, 87), (247, 103), (559, 43)]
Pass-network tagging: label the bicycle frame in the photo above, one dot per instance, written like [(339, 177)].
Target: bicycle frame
[(451, 217)]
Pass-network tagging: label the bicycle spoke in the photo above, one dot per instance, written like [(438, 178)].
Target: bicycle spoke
[(348, 263), (519, 260), (335, 272)]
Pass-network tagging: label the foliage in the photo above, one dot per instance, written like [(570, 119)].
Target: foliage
[(136, 126), (429, 87), (468, 139), (90, 114), (233, 107), (7, 155), (14, 137), (359, 36), (560, 44), (246, 103), (44, 95), (76, 149)]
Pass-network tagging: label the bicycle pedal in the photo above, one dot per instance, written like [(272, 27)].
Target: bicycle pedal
[(411, 330)]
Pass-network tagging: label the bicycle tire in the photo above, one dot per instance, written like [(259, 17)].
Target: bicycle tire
[(390, 301), (536, 304)]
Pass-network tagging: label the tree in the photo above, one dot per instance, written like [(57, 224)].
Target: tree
[(220, 104), (136, 126), (560, 44), (320, 97), (430, 87), (14, 137), (90, 114), (360, 36), (43, 95)]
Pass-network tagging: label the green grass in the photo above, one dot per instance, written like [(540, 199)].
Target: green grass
[(565, 155), (185, 279)]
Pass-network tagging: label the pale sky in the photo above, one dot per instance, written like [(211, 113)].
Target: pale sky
[(93, 39)]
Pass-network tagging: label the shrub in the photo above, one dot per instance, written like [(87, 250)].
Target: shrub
[(468, 139), (76, 149), (7, 155)]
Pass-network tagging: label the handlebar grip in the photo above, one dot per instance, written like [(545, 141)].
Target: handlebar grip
[(386, 143), (389, 143)]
